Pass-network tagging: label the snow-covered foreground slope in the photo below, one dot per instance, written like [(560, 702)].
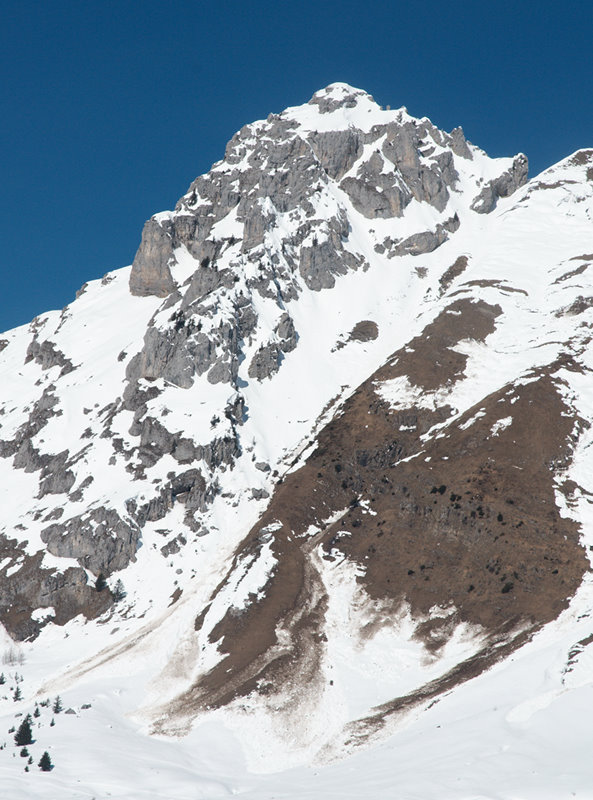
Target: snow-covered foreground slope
[(520, 730), (331, 432)]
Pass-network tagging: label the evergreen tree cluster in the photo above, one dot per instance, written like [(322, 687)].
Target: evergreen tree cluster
[(23, 736)]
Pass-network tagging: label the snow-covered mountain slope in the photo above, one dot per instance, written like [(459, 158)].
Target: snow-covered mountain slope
[(331, 432)]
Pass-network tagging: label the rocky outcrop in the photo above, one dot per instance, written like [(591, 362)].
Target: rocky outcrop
[(320, 262), (150, 273), (100, 540), (337, 151), (273, 168), (427, 241), (503, 186), (337, 95), (56, 477), (419, 243), (31, 587), (268, 358), (47, 355), (402, 170)]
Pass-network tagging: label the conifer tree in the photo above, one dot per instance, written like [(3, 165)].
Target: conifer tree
[(24, 735), (57, 707), (45, 762)]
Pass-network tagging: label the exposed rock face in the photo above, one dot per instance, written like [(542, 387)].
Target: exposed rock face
[(427, 241), (47, 355), (503, 186), (268, 358), (100, 540), (150, 270), (26, 587), (274, 167), (337, 151), (378, 191)]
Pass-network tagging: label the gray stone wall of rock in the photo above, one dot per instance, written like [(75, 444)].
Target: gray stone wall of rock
[(28, 458), (286, 333), (150, 273), (503, 186), (188, 488), (379, 193), (32, 587), (320, 262), (205, 280), (47, 355), (174, 546), (268, 358), (381, 196), (223, 371), (337, 151), (235, 409), (401, 146), (458, 144), (170, 355), (265, 362), (426, 241), (183, 350), (155, 441), (56, 477), (100, 540), (221, 450)]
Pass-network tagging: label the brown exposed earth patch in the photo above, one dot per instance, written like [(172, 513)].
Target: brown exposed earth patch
[(463, 519), (502, 287), (430, 360), (364, 331), (476, 526)]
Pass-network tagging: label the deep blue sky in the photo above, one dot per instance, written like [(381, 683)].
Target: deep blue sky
[(110, 109)]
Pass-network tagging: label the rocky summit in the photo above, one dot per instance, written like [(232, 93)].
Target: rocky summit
[(312, 477)]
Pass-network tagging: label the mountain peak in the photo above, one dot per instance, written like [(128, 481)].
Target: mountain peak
[(339, 95)]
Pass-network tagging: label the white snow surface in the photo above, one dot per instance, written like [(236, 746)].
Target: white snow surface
[(520, 730)]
